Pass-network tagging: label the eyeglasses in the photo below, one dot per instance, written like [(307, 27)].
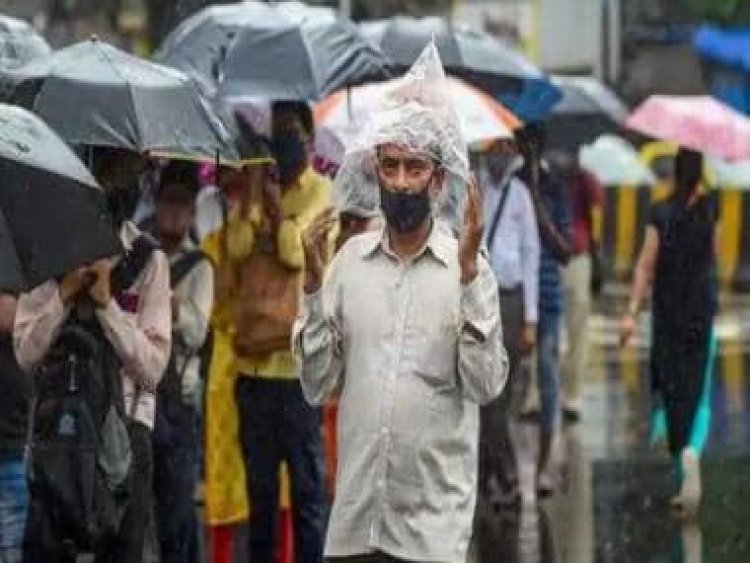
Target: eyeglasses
[(415, 167)]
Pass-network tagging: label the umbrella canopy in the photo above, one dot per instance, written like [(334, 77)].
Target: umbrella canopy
[(19, 43), (53, 214), (92, 93), (701, 123), (481, 118), (614, 162), (477, 57), (587, 110), (282, 51)]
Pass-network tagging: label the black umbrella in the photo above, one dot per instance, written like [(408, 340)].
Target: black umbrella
[(92, 93), (53, 215), (475, 56), (280, 51), (587, 110)]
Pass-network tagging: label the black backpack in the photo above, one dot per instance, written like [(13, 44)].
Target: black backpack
[(173, 415), (78, 438)]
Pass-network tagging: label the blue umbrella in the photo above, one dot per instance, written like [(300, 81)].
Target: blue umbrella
[(477, 57)]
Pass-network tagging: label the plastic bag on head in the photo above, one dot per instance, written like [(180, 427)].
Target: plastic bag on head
[(415, 111)]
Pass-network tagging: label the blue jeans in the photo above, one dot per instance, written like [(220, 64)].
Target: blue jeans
[(14, 501), (548, 371), (277, 424)]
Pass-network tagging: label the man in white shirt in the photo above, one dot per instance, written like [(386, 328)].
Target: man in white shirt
[(513, 245)]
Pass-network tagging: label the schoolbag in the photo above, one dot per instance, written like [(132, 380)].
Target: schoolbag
[(79, 450), (173, 415)]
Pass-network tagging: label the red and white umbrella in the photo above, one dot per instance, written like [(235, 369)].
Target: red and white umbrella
[(701, 123), (481, 118)]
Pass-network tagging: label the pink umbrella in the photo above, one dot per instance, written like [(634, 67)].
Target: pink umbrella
[(700, 123)]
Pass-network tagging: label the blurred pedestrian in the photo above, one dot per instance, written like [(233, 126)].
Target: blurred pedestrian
[(678, 258), (132, 320), (179, 398), (15, 402), (553, 220), (581, 278), (405, 330), (513, 246), (276, 424)]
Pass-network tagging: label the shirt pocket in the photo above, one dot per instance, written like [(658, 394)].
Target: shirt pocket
[(435, 358)]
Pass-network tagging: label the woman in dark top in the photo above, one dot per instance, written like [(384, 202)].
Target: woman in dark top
[(678, 257)]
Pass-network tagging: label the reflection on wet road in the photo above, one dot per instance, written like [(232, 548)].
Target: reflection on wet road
[(612, 504)]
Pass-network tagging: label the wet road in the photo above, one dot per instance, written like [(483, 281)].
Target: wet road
[(612, 499), (612, 504)]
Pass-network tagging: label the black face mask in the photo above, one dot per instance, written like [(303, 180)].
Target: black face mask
[(122, 204), (405, 211), (290, 153)]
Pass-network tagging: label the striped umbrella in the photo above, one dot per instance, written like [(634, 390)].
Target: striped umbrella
[(481, 117)]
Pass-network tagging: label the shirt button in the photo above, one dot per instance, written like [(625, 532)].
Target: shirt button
[(381, 484), (385, 431)]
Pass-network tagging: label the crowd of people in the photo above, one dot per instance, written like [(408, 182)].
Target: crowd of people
[(421, 335)]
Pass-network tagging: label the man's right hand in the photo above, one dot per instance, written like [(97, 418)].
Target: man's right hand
[(73, 282), (315, 245)]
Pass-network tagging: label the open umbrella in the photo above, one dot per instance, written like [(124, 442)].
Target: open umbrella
[(92, 93), (481, 118), (278, 51), (701, 123), (614, 162), (53, 215), (587, 110), (477, 57), (19, 43)]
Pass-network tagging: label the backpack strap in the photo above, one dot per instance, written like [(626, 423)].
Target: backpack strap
[(181, 267)]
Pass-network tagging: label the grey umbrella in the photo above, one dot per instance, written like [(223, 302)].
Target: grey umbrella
[(587, 110), (19, 43), (92, 93), (279, 51), (53, 215)]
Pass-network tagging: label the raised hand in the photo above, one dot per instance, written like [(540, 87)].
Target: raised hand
[(315, 245), (472, 231)]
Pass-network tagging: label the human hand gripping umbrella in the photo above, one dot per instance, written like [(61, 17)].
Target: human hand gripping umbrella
[(53, 215)]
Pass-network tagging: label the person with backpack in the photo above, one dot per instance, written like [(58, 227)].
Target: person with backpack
[(178, 398), (98, 341), (15, 401)]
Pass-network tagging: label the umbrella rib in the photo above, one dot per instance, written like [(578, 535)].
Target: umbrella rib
[(138, 141)]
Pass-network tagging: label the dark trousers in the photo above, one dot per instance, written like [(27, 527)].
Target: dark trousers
[(277, 424), (41, 544), (497, 454), (175, 477), (129, 545)]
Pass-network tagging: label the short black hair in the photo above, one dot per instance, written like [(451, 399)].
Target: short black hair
[(300, 110), (180, 172)]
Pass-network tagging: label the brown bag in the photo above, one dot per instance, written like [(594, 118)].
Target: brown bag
[(266, 306)]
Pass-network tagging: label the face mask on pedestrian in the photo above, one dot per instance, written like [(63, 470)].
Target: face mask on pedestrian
[(404, 207), (290, 152), (498, 162)]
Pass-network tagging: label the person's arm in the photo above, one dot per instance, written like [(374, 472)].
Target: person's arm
[(530, 255), (482, 359), (191, 315), (290, 230), (317, 340), (550, 234), (8, 305), (643, 277), (39, 317), (143, 343)]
